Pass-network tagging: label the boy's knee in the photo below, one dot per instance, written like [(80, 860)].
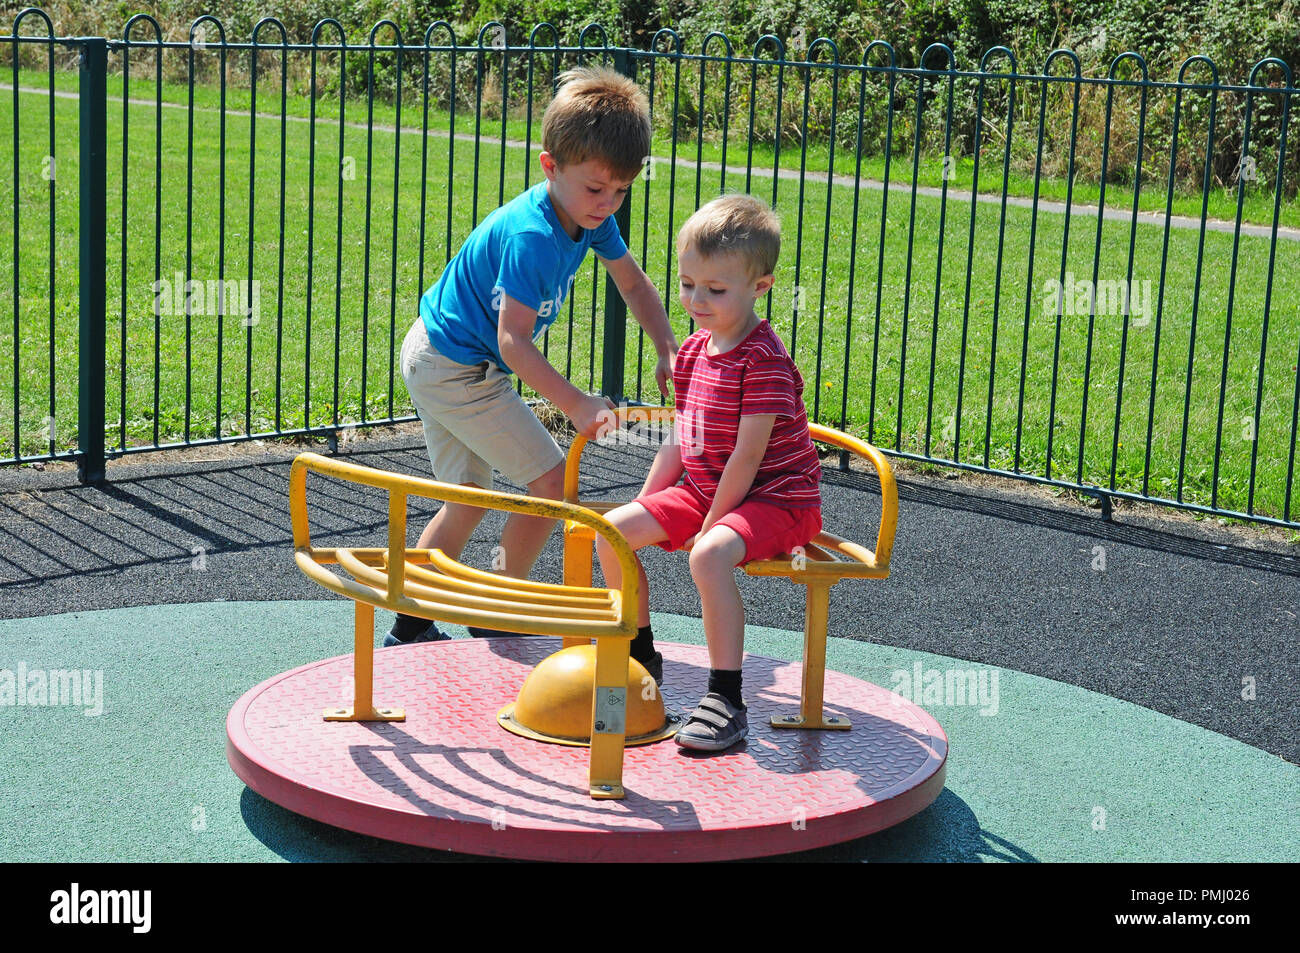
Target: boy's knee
[(620, 518), (711, 555), (604, 549), (550, 484), (465, 513)]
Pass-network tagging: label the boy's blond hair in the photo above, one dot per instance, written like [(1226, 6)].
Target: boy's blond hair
[(598, 114), (735, 225)]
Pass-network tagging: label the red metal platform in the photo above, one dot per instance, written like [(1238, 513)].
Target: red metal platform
[(450, 777)]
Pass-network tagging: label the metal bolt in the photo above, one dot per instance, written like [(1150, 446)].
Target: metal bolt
[(606, 787)]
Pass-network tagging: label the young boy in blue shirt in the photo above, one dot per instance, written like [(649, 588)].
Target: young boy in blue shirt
[(479, 322)]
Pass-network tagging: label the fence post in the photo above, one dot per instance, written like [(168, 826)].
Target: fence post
[(615, 336), (93, 217)]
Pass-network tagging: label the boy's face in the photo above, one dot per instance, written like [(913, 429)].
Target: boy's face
[(584, 194), (719, 291)]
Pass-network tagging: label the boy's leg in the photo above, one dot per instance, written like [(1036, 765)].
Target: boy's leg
[(753, 530), (524, 536), (720, 720), (713, 567), (449, 530), (502, 432), (451, 527), (433, 383), (474, 422), (641, 529), (452, 462)]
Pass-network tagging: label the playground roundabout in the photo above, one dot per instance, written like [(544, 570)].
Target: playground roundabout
[(450, 777), (297, 740)]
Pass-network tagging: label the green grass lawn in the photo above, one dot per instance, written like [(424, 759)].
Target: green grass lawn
[(931, 394), (1257, 200)]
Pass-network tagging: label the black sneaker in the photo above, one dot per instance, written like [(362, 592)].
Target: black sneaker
[(478, 633), (431, 634), (656, 668), (715, 725)]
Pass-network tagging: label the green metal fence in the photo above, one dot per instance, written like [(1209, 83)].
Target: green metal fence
[(1091, 282)]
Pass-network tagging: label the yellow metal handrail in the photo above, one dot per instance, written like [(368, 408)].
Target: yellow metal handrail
[(399, 487), (391, 578)]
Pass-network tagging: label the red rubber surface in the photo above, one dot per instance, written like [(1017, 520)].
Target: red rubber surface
[(450, 777)]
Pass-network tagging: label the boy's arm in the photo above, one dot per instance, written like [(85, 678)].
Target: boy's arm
[(738, 476), (515, 339), (647, 307), (667, 467)]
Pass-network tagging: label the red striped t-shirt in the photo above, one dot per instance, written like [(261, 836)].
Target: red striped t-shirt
[(713, 392)]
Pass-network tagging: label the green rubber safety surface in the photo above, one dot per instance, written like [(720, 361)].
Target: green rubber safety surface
[(132, 765)]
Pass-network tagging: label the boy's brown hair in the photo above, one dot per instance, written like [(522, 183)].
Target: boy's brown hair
[(735, 225), (598, 114)]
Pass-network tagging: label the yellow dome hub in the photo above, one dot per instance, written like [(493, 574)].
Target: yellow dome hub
[(555, 702)]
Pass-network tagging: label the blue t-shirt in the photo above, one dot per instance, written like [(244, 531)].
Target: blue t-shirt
[(521, 250)]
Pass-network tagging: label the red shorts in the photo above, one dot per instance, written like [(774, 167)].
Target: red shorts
[(767, 529)]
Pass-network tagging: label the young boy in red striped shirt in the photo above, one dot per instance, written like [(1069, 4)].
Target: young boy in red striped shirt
[(752, 475)]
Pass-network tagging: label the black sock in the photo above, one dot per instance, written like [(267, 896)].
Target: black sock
[(408, 627), (726, 682), (643, 646)]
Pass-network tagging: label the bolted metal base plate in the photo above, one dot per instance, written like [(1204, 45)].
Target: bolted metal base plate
[(506, 719), (825, 723), (376, 714)]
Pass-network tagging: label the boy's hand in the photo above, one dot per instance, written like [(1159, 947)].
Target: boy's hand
[(664, 372), (592, 415), (708, 524)]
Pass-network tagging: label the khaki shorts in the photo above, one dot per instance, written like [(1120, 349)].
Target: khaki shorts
[(474, 422)]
